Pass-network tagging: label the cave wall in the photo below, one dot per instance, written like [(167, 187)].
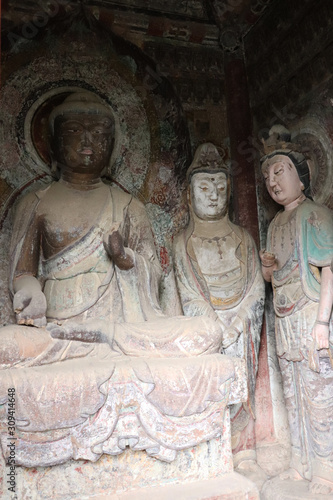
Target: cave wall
[(289, 60)]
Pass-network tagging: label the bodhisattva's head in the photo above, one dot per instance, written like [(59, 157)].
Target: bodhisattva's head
[(82, 134), (285, 169), (209, 187), (282, 180)]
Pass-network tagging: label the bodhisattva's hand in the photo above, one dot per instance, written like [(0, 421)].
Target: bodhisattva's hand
[(231, 334), (268, 263), (30, 306), (114, 245), (320, 333)]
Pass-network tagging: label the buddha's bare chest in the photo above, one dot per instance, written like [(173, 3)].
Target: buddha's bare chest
[(66, 219)]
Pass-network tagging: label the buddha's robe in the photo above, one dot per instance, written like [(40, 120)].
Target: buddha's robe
[(160, 379)]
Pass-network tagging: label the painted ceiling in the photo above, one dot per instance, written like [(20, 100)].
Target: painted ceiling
[(212, 16)]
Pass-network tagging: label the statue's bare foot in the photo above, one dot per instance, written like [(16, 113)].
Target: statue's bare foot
[(320, 486), (251, 470), (291, 474)]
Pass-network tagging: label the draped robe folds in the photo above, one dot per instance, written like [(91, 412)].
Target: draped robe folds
[(157, 383), (197, 299), (77, 277), (307, 374)]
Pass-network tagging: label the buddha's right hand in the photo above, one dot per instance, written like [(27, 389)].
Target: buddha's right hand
[(30, 307), (114, 245)]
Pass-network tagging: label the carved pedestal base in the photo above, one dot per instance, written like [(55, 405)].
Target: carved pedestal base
[(136, 476), (202, 469)]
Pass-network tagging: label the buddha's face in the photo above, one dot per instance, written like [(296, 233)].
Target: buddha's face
[(209, 195), (83, 142), (282, 181)]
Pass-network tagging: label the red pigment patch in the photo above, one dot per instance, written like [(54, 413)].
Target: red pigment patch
[(164, 258)]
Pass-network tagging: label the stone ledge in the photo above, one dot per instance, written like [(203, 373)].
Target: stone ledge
[(231, 486)]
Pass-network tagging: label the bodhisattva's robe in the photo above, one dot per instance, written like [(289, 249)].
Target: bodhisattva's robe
[(307, 374), (218, 275)]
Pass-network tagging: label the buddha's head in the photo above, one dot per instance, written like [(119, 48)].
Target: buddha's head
[(209, 186), (82, 133)]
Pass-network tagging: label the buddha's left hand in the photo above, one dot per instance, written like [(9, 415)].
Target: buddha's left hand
[(30, 307)]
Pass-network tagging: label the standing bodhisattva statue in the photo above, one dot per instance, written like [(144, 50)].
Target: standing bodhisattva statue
[(297, 261), (218, 274), (95, 364)]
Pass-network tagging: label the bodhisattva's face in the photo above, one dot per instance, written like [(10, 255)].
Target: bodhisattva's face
[(209, 195), (282, 181), (83, 142)]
